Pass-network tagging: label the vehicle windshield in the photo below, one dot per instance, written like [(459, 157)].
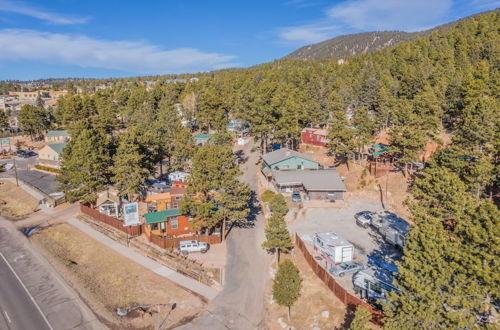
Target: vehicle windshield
[(344, 266)]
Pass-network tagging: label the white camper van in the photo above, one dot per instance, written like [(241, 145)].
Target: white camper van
[(333, 248)]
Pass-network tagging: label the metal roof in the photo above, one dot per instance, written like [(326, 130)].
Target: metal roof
[(57, 147), (282, 154), (161, 216), (312, 180), (57, 133)]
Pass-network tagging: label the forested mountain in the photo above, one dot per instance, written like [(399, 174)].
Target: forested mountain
[(352, 44), (359, 43), (448, 81)]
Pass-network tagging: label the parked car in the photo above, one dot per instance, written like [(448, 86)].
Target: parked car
[(187, 247), (364, 218), (296, 196), (346, 268)]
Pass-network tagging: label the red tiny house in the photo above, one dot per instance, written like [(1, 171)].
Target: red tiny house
[(314, 136)]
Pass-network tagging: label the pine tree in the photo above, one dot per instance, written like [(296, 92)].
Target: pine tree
[(132, 163), (4, 121), (86, 163), (278, 205), (33, 120), (217, 196), (361, 318), (277, 235), (287, 285)]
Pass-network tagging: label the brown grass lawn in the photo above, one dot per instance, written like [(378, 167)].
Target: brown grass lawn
[(14, 201), (107, 280)]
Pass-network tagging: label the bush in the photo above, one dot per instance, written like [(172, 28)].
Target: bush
[(267, 196), (47, 168)]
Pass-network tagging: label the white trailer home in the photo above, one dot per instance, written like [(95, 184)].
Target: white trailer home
[(333, 248)]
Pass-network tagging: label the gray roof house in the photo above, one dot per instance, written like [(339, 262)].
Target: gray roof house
[(287, 159), (317, 184)]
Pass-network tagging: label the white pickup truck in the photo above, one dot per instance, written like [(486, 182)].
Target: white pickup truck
[(187, 247)]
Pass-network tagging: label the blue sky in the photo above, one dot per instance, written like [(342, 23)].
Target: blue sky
[(111, 38)]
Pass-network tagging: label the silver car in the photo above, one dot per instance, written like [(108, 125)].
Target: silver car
[(346, 268)]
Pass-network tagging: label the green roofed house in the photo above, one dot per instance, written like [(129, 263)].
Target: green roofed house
[(201, 139), (379, 149), (286, 159), (50, 155), (59, 136), (168, 223)]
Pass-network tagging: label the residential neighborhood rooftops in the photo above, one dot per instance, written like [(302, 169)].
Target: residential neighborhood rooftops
[(57, 147), (161, 216), (312, 180), (57, 133), (282, 154)]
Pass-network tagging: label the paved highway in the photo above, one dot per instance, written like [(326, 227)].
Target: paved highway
[(18, 308), (32, 295)]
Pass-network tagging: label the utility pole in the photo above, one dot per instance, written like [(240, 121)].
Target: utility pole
[(15, 170)]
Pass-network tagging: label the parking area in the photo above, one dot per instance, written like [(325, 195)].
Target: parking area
[(44, 182), (367, 241)]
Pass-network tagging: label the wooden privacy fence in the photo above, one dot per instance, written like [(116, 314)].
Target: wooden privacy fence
[(341, 293), (172, 243), (131, 230)]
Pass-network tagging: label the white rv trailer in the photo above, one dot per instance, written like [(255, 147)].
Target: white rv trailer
[(333, 248)]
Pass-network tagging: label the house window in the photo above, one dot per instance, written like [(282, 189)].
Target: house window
[(177, 198), (154, 226), (176, 205), (163, 227), (174, 222), (190, 218), (168, 205)]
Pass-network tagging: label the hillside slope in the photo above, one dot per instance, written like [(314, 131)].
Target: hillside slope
[(361, 43), (351, 44)]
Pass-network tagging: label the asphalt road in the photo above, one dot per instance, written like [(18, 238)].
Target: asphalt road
[(17, 306), (240, 305), (56, 301)]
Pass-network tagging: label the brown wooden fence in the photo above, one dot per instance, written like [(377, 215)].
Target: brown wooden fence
[(131, 230), (172, 243), (341, 293)]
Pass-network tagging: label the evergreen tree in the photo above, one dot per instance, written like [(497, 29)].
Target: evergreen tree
[(341, 135), (277, 235), (362, 317), (86, 163), (287, 285), (278, 205), (216, 194), (132, 164), (4, 121), (33, 120)]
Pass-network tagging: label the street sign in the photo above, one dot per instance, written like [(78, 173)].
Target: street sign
[(5, 141), (131, 214)]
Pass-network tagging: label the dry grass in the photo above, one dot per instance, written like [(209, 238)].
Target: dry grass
[(107, 280), (315, 298), (14, 201)]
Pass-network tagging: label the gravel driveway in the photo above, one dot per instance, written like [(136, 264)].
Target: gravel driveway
[(342, 222)]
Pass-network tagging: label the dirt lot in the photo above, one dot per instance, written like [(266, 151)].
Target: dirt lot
[(317, 305), (15, 202), (105, 280)]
